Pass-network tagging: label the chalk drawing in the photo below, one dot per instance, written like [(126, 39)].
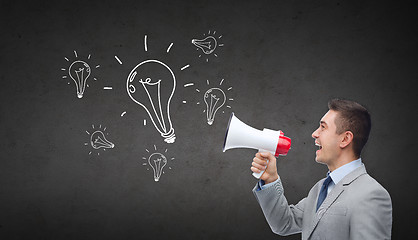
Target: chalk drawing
[(98, 140), (208, 44), (79, 71), (151, 84), (215, 98), (157, 161), (154, 94)]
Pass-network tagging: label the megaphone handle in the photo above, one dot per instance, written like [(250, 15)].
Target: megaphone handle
[(258, 175)]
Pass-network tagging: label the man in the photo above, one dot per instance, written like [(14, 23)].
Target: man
[(348, 204)]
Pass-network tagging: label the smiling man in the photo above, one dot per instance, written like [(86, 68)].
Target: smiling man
[(348, 203)]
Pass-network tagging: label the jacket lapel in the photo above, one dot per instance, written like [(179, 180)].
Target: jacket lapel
[(333, 196)]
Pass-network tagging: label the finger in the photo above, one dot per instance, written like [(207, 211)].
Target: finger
[(259, 166), (260, 156), (256, 170), (267, 155), (260, 161)]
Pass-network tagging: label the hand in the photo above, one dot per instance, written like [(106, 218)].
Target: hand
[(260, 163)]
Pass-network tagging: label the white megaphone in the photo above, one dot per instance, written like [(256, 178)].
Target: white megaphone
[(240, 135)]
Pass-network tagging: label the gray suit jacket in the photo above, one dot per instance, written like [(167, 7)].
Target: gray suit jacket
[(357, 208)]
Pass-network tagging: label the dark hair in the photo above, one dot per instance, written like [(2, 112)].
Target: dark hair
[(353, 117)]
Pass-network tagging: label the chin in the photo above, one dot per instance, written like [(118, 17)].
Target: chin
[(318, 160)]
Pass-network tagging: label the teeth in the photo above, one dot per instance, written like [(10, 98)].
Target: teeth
[(317, 144)]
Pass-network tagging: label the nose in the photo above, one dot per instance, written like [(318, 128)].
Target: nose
[(315, 134)]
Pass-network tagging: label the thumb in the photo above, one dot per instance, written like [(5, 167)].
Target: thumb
[(268, 156)]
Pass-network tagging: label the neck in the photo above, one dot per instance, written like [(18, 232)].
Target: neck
[(341, 161)]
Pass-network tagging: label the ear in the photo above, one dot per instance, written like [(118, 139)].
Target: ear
[(347, 138)]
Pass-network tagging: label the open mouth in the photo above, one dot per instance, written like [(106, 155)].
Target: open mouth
[(317, 144)]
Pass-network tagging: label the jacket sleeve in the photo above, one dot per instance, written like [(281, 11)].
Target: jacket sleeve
[(372, 217), (283, 219)]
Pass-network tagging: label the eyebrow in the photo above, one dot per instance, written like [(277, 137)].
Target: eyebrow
[(323, 122)]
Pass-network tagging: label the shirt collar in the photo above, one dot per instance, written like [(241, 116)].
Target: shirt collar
[(344, 170)]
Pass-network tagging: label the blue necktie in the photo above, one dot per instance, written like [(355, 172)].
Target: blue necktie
[(324, 192)]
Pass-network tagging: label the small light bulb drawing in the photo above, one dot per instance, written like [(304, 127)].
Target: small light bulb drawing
[(79, 71), (151, 84), (208, 44), (157, 161), (214, 98), (98, 140)]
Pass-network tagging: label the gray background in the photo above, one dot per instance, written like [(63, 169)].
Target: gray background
[(283, 59)]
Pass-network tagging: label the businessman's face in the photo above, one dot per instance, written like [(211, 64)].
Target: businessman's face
[(327, 139)]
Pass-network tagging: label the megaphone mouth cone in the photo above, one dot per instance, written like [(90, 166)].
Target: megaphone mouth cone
[(227, 129)]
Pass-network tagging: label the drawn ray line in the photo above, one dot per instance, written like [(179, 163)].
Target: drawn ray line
[(120, 62), (89, 56), (66, 59), (145, 43), (207, 81), (185, 67), (97, 66), (75, 53), (123, 114), (188, 84), (221, 81), (107, 88), (169, 47), (229, 88)]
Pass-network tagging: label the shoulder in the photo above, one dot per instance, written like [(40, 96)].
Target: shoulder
[(368, 187)]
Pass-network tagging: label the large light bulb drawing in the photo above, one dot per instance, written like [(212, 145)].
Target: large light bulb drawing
[(151, 84), (98, 140), (79, 71), (214, 98), (207, 45), (157, 161)]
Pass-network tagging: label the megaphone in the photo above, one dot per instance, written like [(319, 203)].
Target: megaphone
[(240, 135)]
